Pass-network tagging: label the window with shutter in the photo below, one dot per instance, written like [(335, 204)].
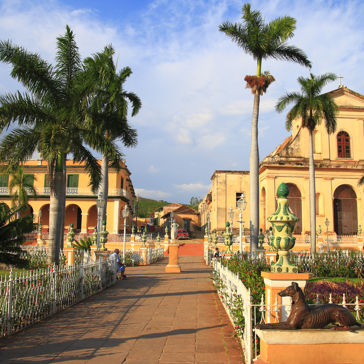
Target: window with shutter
[(343, 145), (4, 180)]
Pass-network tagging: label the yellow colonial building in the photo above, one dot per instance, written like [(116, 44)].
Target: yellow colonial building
[(339, 162), (81, 207)]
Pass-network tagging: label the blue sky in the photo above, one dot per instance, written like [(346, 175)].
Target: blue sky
[(196, 112)]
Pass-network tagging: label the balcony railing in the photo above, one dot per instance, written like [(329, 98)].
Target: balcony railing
[(73, 191)]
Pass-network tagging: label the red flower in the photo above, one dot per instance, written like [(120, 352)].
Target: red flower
[(263, 287)]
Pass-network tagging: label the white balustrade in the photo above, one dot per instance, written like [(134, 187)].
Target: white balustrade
[(32, 295)]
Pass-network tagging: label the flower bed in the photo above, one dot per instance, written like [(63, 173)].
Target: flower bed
[(349, 264)]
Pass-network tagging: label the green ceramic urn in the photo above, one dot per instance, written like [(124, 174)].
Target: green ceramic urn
[(283, 222), (228, 239)]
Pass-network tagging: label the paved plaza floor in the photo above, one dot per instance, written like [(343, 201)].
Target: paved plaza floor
[(152, 317)]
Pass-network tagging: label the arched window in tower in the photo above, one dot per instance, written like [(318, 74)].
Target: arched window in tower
[(343, 145)]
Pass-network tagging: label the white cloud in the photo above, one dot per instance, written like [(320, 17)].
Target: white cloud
[(184, 136), (155, 195), (190, 76), (153, 170), (192, 187)]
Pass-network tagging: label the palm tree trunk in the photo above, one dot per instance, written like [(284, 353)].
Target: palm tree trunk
[(254, 177), (63, 204), (312, 194), (104, 186), (55, 212)]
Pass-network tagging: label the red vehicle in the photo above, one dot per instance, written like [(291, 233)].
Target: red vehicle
[(182, 234)]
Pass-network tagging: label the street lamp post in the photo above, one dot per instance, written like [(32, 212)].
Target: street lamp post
[(327, 223), (136, 214), (171, 214), (231, 217), (241, 206), (125, 214), (39, 225), (100, 203)]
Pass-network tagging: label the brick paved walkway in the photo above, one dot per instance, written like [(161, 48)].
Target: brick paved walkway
[(151, 317)]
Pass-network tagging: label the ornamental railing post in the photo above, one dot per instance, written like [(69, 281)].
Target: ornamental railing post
[(81, 281), (100, 272), (54, 283), (10, 294), (249, 328)]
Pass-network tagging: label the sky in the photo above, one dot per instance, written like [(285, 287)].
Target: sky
[(196, 112)]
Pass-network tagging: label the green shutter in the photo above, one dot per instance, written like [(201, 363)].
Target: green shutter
[(32, 177), (4, 180), (46, 180), (122, 182), (72, 180)]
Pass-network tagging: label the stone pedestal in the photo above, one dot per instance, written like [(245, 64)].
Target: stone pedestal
[(103, 254), (70, 255), (143, 254), (275, 283), (93, 249), (360, 242), (173, 266), (310, 347), (261, 253)]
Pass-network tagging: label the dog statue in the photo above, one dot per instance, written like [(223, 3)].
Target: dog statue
[(304, 316)]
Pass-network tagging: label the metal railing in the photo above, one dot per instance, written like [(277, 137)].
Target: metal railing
[(30, 296), (81, 191)]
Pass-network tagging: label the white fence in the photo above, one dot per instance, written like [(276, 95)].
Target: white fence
[(33, 295), (234, 295)]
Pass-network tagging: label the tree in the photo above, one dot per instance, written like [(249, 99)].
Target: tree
[(311, 107), (262, 41), (51, 120), (19, 186), (108, 107), (194, 202), (12, 232)]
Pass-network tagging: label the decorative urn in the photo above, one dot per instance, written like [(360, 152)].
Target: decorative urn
[(283, 222), (215, 239), (70, 236), (103, 236), (228, 239)]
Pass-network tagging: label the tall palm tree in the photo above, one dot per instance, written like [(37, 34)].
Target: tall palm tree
[(19, 186), (311, 107), (51, 120), (108, 106), (262, 41)]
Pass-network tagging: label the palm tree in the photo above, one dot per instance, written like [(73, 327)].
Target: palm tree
[(19, 186), (262, 41), (108, 106), (51, 120), (311, 107), (12, 232)]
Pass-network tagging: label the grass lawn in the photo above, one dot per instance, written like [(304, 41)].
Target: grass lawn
[(6, 272), (334, 279)]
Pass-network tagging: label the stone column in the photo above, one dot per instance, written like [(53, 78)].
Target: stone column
[(116, 216), (84, 223), (173, 266)]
